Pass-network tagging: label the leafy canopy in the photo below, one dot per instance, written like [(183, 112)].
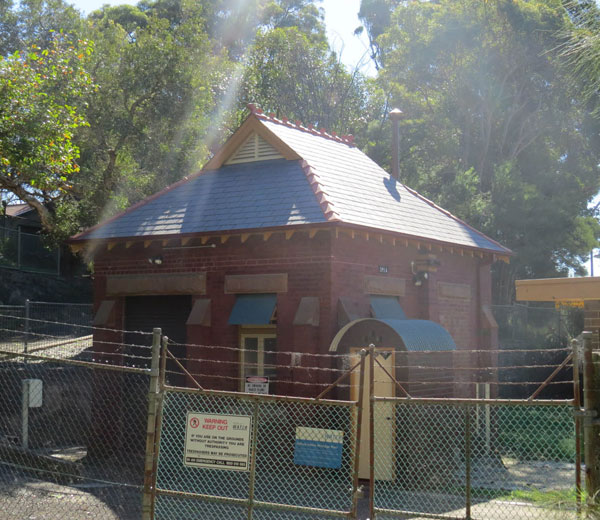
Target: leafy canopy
[(494, 133), (39, 95)]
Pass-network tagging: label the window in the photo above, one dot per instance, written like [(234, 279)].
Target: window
[(257, 356)]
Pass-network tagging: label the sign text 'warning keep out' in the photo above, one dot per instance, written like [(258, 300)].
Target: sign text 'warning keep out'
[(217, 441)]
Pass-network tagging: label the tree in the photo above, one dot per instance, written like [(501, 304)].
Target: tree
[(293, 76), (150, 119), (39, 94), (494, 134), (581, 51)]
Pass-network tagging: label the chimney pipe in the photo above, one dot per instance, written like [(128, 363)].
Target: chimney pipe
[(396, 115)]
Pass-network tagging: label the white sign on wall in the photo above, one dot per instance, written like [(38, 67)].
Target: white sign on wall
[(217, 441), (257, 385)]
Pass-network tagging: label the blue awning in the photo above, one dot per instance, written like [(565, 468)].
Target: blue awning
[(419, 335), (253, 309), (387, 307), (412, 335)]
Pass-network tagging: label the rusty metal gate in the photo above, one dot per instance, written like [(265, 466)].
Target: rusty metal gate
[(236, 455), (454, 458)]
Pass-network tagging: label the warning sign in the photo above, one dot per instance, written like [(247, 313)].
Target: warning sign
[(257, 385), (217, 441)]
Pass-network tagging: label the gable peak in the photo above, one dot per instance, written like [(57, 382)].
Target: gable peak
[(254, 148), (322, 132)]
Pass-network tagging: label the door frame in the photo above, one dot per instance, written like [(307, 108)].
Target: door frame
[(364, 443), (261, 333)]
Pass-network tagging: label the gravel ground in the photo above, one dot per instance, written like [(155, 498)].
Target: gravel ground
[(23, 497)]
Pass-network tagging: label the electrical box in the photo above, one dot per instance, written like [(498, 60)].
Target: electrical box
[(35, 389)]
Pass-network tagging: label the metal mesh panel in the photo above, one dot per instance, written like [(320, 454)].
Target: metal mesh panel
[(416, 459), (318, 487), (172, 474), (500, 460), (168, 508), (280, 477), (78, 449), (523, 455)]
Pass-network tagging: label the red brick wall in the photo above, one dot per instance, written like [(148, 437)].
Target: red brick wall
[(353, 259), (306, 262), (322, 266)]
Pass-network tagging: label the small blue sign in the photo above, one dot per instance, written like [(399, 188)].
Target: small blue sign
[(318, 447)]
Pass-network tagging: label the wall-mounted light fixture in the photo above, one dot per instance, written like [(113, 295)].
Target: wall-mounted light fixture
[(421, 267), (419, 277), (155, 260)]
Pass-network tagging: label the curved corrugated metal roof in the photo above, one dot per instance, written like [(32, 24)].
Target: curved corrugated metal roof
[(420, 335), (416, 335)]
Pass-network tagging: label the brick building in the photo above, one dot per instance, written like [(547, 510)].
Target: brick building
[(291, 242)]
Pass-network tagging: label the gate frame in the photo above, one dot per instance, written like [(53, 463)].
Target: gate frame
[(591, 376), (158, 389)]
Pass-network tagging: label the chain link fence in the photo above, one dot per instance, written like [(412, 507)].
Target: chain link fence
[(27, 252), (72, 431), (477, 459), (258, 457), (74, 416), (49, 327)]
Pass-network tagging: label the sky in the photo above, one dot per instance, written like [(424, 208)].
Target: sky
[(341, 18)]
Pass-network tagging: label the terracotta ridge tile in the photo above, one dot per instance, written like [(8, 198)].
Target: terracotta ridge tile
[(322, 132), (321, 195)]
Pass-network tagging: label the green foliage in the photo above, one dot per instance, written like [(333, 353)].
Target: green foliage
[(151, 115), (494, 134), (293, 76), (39, 115), (301, 14), (581, 51)]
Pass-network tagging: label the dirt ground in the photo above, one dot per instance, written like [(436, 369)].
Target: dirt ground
[(25, 498)]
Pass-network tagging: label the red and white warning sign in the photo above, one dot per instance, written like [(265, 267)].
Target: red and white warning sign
[(257, 385), (217, 441)]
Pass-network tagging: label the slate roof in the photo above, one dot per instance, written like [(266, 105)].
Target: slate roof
[(363, 193), (241, 196), (334, 181)]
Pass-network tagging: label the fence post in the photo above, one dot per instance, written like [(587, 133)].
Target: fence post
[(468, 462), (358, 432), (25, 414), (591, 430), (577, 406), (372, 430), (147, 499), (26, 340)]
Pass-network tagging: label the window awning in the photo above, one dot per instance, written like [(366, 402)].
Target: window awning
[(253, 309), (387, 307), (200, 313)]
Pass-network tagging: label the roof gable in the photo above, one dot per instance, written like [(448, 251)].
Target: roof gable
[(254, 148), (251, 125), (322, 177)]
